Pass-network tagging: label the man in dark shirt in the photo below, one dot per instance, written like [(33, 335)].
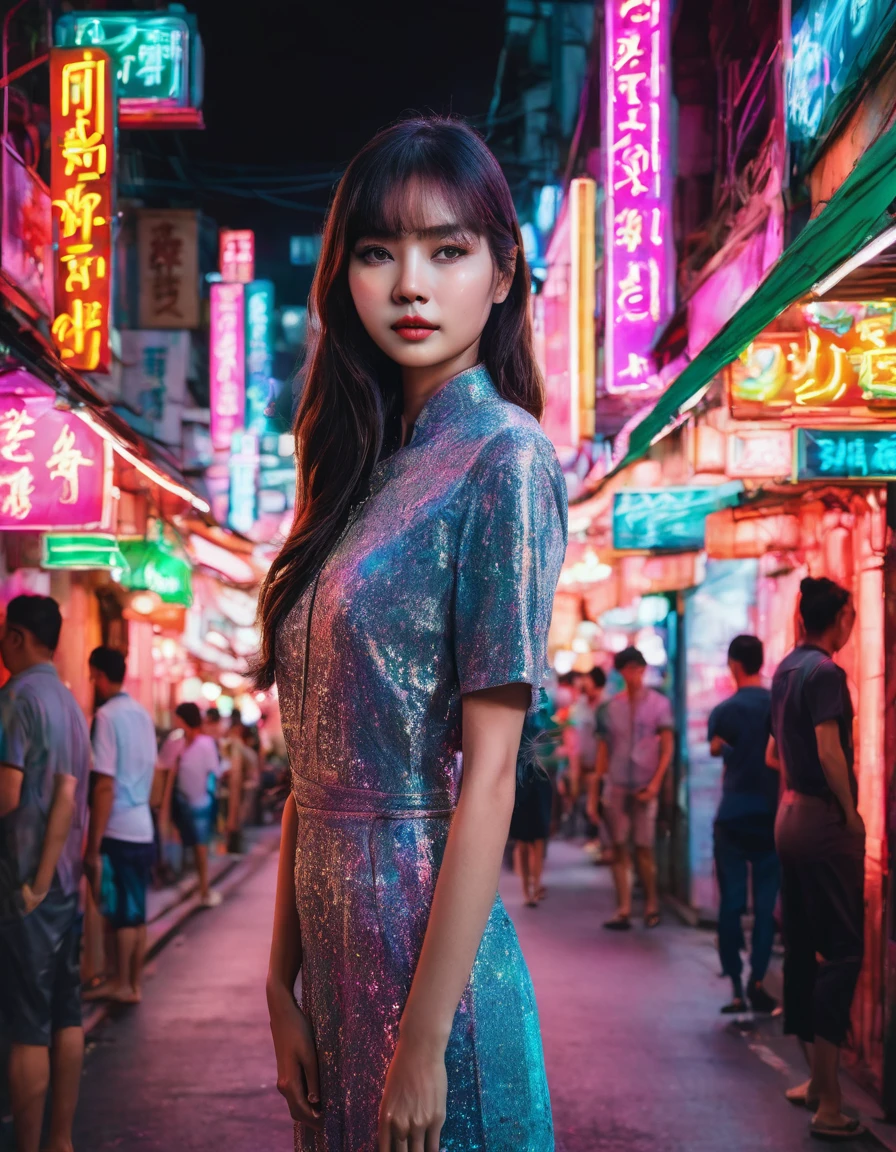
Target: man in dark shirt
[(821, 843), (744, 832)]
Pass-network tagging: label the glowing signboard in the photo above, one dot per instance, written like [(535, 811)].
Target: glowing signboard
[(668, 519), (157, 60), (237, 255), (833, 45), (840, 355), (227, 366), (638, 189), (845, 454), (153, 567), (244, 463), (54, 470), (81, 552), (261, 388), (760, 453), (82, 166)]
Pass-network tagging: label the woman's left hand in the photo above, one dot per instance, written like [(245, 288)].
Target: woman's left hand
[(414, 1100)]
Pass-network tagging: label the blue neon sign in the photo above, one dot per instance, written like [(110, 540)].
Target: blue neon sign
[(845, 454), (668, 519)]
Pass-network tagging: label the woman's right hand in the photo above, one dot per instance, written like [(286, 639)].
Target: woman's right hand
[(297, 1078)]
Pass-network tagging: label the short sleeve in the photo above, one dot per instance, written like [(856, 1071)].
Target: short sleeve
[(15, 725), (105, 747), (664, 719), (719, 724), (512, 544), (824, 693), (170, 751)]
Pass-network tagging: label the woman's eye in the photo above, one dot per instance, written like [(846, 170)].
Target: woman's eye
[(451, 252), (375, 255)]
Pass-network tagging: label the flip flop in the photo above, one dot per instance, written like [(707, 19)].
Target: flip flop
[(800, 1099), (618, 924), (852, 1130)]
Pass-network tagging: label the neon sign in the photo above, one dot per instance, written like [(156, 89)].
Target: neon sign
[(668, 519), (83, 161), (842, 355), (259, 353), (845, 454), (227, 363), (54, 470), (237, 256), (244, 465), (156, 58), (760, 453), (638, 189)]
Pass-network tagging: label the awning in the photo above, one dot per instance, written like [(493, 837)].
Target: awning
[(856, 214)]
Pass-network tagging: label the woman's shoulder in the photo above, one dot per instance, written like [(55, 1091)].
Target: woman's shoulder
[(509, 432)]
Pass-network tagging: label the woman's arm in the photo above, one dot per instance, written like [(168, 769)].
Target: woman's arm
[(413, 1106), (297, 1076)]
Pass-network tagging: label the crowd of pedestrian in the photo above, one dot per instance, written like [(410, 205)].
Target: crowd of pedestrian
[(103, 802)]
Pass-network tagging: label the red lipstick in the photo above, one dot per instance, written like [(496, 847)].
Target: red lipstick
[(414, 328)]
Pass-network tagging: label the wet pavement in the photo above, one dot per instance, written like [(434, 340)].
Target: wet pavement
[(638, 1057)]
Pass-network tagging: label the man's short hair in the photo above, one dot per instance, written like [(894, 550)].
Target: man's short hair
[(190, 714), (110, 662), (38, 615), (598, 677), (213, 715), (628, 656), (567, 679), (821, 602), (748, 652)]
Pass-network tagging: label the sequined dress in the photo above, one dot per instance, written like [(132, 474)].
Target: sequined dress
[(442, 584)]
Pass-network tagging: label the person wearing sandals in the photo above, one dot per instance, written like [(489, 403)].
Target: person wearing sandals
[(821, 843), (636, 742)]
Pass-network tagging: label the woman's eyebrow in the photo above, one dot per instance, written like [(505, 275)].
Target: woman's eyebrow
[(436, 232)]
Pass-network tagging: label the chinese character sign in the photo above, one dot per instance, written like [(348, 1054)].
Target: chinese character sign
[(82, 166), (154, 381), (227, 365), (261, 388), (845, 454), (638, 189), (237, 256), (54, 469), (168, 254), (670, 519)]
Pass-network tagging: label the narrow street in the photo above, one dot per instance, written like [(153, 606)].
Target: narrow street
[(638, 1058)]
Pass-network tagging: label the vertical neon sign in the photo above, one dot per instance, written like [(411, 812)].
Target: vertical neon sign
[(638, 240), (227, 369)]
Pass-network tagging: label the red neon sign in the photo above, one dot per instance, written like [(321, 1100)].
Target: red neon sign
[(237, 255), (83, 161)]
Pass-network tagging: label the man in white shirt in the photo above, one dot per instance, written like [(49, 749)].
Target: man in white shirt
[(120, 848)]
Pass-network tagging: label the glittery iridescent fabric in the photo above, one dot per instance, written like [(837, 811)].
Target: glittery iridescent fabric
[(443, 584)]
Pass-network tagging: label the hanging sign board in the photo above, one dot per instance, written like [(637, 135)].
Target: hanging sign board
[(668, 519), (845, 454)]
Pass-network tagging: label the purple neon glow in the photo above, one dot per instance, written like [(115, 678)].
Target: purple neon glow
[(638, 190), (227, 368)]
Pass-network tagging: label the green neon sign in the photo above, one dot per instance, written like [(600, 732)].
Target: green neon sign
[(81, 551), (153, 567)]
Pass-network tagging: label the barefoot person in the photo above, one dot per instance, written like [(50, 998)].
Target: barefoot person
[(821, 842), (44, 772), (120, 850), (405, 620)]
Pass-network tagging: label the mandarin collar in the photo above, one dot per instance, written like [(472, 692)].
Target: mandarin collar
[(464, 391)]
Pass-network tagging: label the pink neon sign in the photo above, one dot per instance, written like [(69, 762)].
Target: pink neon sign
[(236, 253), (54, 470), (227, 369), (638, 231)]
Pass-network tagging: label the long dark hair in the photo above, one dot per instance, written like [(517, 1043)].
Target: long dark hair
[(352, 396)]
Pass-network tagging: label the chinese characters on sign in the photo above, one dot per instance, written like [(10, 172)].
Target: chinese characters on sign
[(154, 381), (638, 189), (237, 256), (54, 470), (83, 139), (261, 388), (168, 253), (670, 519), (227, 363), (760, 454), (845, 454)]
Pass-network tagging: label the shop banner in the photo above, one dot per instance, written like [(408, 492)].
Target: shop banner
[(26, 247), (761, 453), (261, 388), (639, 183), (668, 519), (154, 381), (237, 256), (168, 268), (845, 454), (55, 471), (82, 113), (227, 363)]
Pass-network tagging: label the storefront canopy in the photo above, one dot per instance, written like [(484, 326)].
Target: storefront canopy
[(855, 215)]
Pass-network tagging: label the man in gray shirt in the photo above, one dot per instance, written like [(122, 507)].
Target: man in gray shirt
[(636, 736), (44, 771)]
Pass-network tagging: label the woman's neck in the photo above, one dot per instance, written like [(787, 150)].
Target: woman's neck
[(421, 384)]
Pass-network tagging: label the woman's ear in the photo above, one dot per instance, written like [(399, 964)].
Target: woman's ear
[(505, 281)]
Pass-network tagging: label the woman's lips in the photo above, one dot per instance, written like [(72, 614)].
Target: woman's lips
[(414, 328)]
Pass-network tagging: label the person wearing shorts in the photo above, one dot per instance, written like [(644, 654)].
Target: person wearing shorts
[(194, 766), (44, 774), (120, 849), (636, 742)]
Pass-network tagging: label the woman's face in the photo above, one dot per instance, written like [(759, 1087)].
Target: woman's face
[(424, 298)]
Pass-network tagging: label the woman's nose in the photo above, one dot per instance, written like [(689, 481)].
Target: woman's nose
[(410, 283)]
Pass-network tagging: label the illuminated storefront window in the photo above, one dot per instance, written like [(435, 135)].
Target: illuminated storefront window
[(83, 163), (638, 189)]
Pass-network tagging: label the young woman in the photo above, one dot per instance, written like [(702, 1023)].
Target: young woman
[(405, 621)]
